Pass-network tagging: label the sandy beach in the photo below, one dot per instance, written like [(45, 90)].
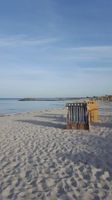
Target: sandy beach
[(41, 160)]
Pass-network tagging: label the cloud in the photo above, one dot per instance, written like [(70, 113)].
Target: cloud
[(18, 40), (91, 48), (94, 50), (24, 73), (82, 54)]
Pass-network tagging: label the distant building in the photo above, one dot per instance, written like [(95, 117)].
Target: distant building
[(105, 98), (109, 97)]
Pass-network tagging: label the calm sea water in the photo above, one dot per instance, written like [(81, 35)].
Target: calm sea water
[(10, 106)]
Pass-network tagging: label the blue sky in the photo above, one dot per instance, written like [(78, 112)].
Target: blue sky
[(55, 48)]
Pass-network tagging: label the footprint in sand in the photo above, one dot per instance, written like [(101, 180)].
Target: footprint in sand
[(28, 175)]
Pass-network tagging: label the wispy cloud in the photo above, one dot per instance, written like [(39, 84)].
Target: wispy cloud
[(92, 49), (30, 73), (18, 40), (84, 53)]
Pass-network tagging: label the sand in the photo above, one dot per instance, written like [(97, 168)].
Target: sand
[(41, 160)]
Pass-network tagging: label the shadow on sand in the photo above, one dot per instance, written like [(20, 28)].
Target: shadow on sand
[(58, 121), (106, 125), (44, 123)]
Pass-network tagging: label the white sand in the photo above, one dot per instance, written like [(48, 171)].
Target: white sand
[(41, 160)]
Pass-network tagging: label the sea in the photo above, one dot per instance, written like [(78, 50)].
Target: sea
[(13, 105)]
